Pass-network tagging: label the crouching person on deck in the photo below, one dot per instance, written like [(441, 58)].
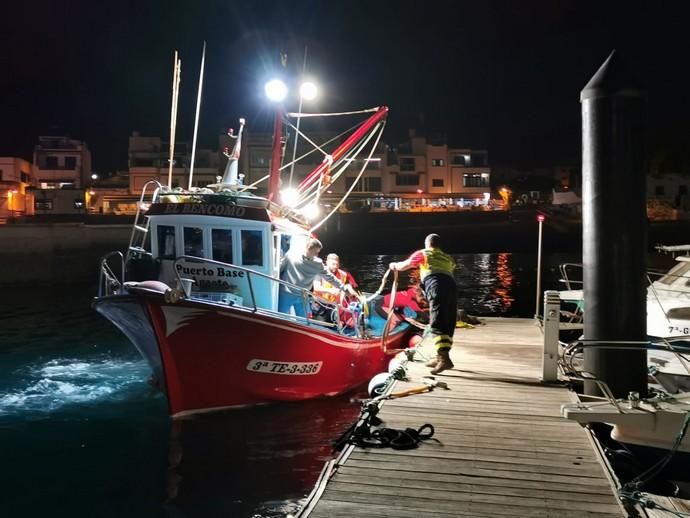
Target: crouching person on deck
[(303, 271), (436, 275)]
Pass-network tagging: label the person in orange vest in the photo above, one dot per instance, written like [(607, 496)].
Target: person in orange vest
[(438, 283), (327, 291)]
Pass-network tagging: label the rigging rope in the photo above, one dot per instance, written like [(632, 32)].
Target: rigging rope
[(341, 164), (305, 155), (631, 490), (354, 184), (387, 325), (333, 114)]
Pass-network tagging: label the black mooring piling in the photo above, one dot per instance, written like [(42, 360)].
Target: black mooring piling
[(614, 226)]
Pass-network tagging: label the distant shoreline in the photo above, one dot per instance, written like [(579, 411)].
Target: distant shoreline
[(35, 252)]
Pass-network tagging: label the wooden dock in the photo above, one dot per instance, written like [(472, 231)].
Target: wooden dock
[(501, 447)]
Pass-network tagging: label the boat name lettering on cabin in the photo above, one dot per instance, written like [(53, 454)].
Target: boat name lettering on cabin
[(209, 209), (208, 272)]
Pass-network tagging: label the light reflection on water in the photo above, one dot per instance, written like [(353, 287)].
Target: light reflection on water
[(488, 284)]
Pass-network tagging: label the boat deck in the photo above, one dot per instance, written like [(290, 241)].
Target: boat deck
[(501, 447)]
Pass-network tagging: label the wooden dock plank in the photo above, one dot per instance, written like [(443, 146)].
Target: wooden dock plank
[(501, 447)]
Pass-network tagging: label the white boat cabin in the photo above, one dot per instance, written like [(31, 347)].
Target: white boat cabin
[(245, 239)]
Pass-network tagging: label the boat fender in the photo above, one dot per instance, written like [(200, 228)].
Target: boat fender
[(378, 384), (394, 364), (158, 286), (414, 341)]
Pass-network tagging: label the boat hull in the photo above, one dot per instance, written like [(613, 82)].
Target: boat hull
[(215, 356)]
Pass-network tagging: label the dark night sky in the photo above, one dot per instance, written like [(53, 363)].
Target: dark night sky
[(502, 75)]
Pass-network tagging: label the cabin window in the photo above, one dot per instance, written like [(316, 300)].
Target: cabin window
[(221, 244), (166, 242), (252, 249), (193, 241)]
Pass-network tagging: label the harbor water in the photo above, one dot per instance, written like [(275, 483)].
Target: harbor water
[(83, 433)]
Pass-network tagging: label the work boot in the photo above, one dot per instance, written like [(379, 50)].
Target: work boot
[(433, 362), (444, 362)]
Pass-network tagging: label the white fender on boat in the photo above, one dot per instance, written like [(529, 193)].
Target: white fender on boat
[(394, 364), (378, 384), (153, 285)]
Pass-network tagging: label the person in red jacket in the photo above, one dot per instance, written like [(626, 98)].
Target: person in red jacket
[(438, 283), (328, 292)]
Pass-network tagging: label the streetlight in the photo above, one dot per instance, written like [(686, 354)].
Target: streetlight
[(94, 176), (540, 219)]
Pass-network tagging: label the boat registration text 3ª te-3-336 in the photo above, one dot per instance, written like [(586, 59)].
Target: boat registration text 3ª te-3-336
[(285, 368)]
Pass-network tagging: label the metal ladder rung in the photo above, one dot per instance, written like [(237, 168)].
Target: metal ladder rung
[(138, 249), (141, 229)]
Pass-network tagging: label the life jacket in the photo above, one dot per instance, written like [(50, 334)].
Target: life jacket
[(436, 261), (325, 285)]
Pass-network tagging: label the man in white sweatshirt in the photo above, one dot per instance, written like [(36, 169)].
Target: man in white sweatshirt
[(302, 272)]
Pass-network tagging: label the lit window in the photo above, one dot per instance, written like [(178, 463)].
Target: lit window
[(438, 162)]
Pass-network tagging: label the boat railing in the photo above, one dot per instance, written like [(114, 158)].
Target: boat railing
[(109, 282), (567, 357), (307, 296), (567, 270), (140, 229), (569, 273)]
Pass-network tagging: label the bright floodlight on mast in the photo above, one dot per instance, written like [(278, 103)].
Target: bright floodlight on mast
[(308, 91), (276, 90), (289, 196)]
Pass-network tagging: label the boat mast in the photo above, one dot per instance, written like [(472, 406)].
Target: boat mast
[(196, 118), (177, 69), (274, 178), (299, 118)]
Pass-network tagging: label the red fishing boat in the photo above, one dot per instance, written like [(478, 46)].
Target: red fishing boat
[(197, 292)]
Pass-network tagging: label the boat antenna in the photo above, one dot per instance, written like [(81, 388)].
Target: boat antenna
[(177, 70), (299, 111), (196, 118), (230, 176)]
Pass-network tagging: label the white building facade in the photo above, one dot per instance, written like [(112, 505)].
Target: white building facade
[(61, 162)]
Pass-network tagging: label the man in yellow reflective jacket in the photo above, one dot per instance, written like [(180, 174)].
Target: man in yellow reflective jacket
[(438, 283)]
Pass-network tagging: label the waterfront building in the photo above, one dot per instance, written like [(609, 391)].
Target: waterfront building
[(417, 175), (16, 175), (429, 174), (667, 196), (671, 188), (61, 162), (148, 159)]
